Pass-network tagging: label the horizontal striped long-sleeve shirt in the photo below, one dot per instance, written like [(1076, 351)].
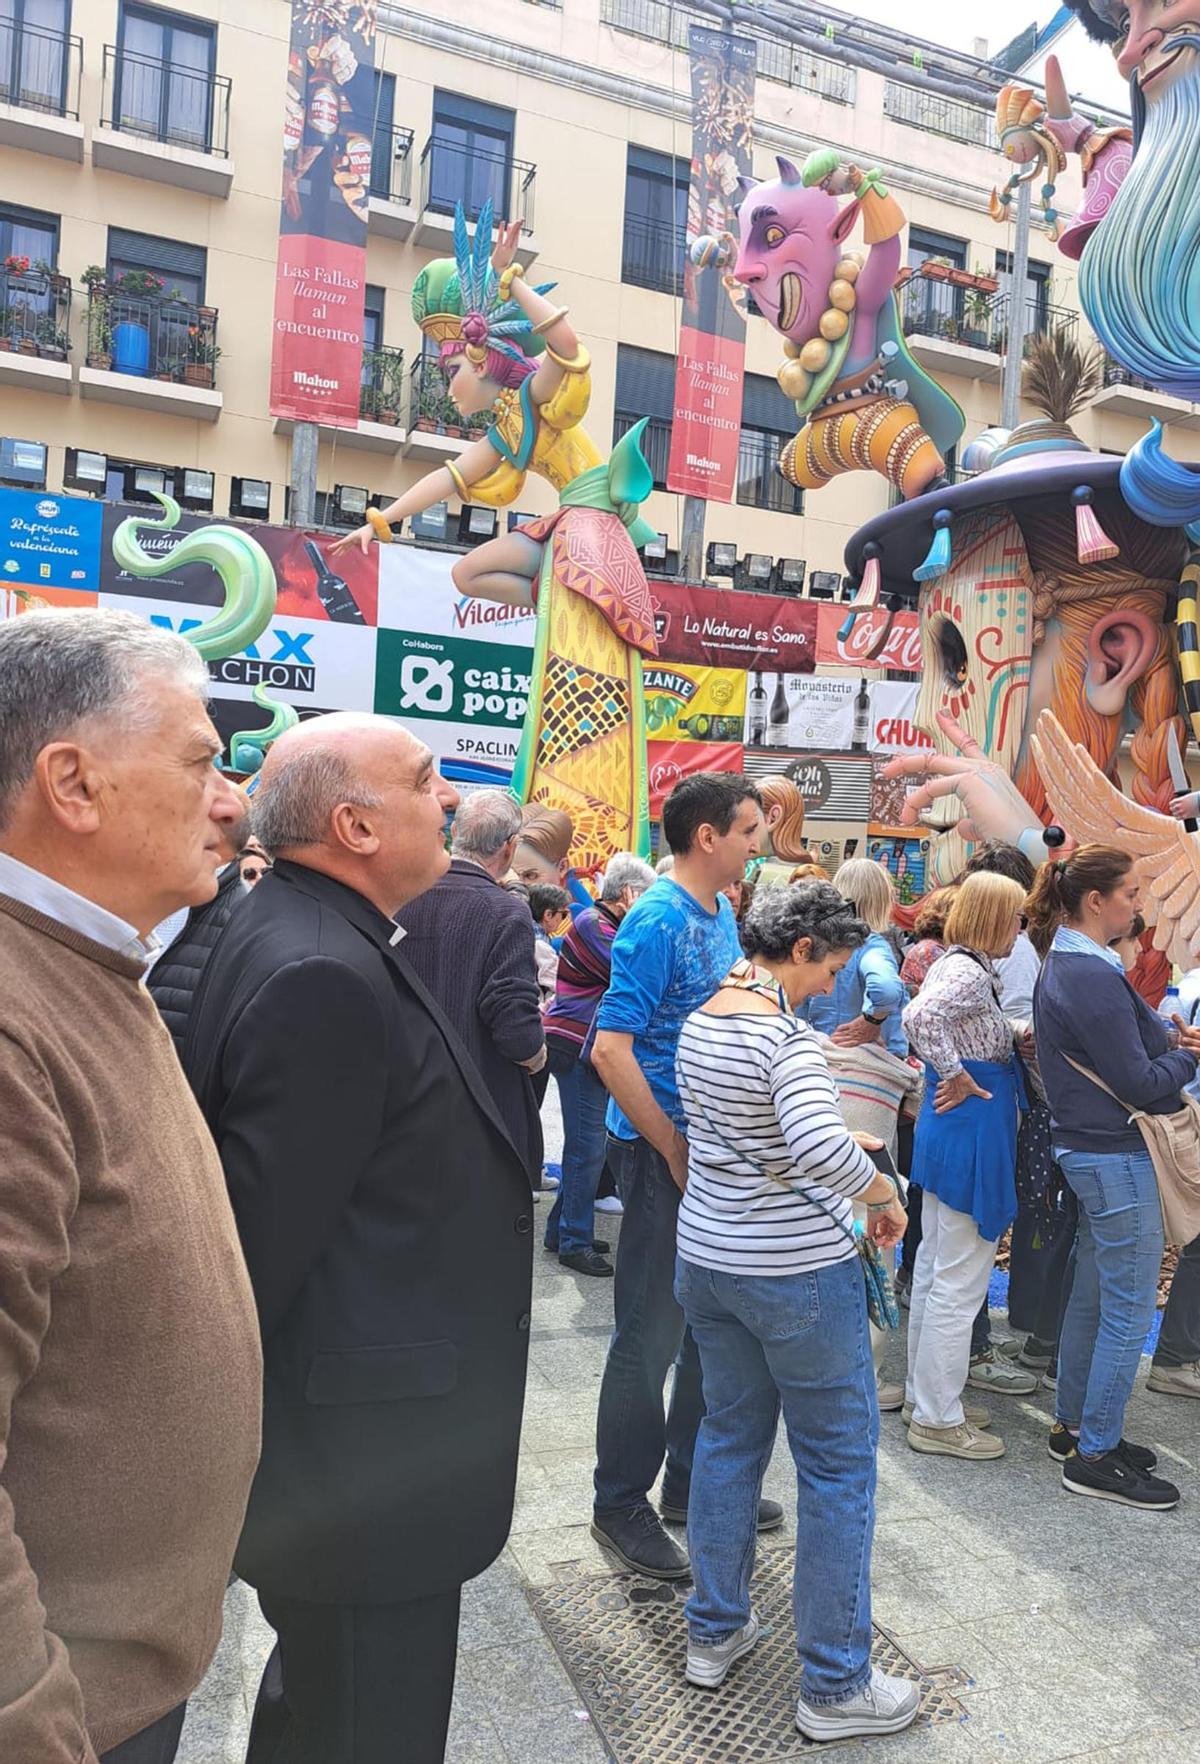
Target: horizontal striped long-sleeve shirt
[(760, 1103)]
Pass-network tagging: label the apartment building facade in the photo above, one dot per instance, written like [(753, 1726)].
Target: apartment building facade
[(140, 153)]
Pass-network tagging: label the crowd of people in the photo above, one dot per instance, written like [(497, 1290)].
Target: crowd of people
[(270, 1086)]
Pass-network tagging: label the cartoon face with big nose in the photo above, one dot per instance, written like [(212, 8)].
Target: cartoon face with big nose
[(791, 240), (1150, 30)]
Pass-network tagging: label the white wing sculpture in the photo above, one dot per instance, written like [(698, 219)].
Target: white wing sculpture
[(1166, 856)]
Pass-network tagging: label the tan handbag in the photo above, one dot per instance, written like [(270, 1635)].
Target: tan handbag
[(1173, 1144)]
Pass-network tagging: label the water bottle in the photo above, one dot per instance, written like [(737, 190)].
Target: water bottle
[(1170, 1006)]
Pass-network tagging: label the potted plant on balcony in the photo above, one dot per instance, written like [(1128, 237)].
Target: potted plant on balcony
[(977, 309), (99, 321), (52, 342), (6, 342), (200, 357), (986, 280), (450, 421), (368, 403), (961, 278), (936, 268), (428, 404)]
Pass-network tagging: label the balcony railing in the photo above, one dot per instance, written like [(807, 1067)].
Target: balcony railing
[(39, 69), (759, 484), (661, 21), (936, 115), (165, 101), (453, 173), (431, 408), (1040, 319), (932, 306), (381, 395), (1117, 375), (35, 313), (391, 165), (652, 254), (151, 338)]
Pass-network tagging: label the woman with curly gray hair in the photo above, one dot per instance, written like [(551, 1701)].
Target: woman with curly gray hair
[(768, 1275)]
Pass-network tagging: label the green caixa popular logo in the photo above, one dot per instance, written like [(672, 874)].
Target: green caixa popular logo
[(449, 679)]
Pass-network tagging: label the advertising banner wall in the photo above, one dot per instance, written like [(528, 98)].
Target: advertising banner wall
[(735, 630), (669, 761), (694, 704), (707, 421), (49, 543), (901, 652), (320, 276)]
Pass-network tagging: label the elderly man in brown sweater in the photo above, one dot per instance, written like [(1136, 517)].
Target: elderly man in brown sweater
[(130, 1372)]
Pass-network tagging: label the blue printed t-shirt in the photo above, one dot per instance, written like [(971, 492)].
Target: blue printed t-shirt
[(669, 955)]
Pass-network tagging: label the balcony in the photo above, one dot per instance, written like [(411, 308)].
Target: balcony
[(452, 173), (935, 115), (662, 21), (1125, 394), (39, 90), (437, 429), (151, 350), (35, 326), (380, 403), (391, 214), (652, 254), (164, 121)]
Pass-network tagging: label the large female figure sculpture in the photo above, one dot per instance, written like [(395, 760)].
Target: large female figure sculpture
[(505, 348)]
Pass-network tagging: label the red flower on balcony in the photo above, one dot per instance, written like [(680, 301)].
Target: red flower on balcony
[(16, 266)]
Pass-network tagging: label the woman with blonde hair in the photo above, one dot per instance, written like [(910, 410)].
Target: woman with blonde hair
[(964, 1158), (868, 994)]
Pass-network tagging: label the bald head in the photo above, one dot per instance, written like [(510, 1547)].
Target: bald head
[(359, 798)]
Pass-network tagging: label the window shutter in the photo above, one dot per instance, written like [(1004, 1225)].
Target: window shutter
[(765, 407), (164, 256), (645, 383)]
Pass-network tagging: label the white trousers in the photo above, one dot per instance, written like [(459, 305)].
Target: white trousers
[(953, 1267)]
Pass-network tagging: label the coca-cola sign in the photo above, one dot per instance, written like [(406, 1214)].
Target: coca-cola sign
[(901, 649)]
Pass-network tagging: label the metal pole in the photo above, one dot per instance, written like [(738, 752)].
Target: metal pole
[(691, 540), (303, 505), (1018, 315)]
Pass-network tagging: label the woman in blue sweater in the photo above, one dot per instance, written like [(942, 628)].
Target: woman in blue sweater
[(868, 995), (1087, 1015)]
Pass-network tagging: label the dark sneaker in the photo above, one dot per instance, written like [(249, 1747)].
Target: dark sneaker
[(1114, 1478), (708, 1665), (637, 1539), (770, 1514), (587, 1262), (598, 1244), (1063, 1442)]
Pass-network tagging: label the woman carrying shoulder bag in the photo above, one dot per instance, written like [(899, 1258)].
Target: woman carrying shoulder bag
[(1090, 1024)]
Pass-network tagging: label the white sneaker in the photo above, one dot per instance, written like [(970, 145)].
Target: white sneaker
[(707, 1666), (1001, 1376), (1175, 1380), (609, 1203), (883, 1705)]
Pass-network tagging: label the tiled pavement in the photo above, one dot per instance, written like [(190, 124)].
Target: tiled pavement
[(1075, 1620)]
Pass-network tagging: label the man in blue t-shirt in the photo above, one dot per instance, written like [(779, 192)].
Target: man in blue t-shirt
[(673, 949)]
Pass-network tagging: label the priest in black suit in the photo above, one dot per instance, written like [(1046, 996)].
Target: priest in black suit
[(385, 1216)]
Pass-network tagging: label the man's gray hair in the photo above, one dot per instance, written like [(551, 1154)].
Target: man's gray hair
[(60, 668), (626, 870), (293, 805), (485, 822)]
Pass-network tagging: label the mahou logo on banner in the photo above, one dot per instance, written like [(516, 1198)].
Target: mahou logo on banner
[(321, 272), (901, 650)]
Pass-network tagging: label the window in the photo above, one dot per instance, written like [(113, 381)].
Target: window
[(933, 308), (768, 424), (171, 322), (923, 244), (381, 151), (470, 155), (656, 193), (1037, 290), (165, 77), (33, 54), (372, 317), (646, 387), (24, 232)]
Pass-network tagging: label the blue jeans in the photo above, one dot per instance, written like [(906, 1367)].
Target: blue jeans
[(632, 1435), (1118, 1253), (571, 1224), (800, 1340)]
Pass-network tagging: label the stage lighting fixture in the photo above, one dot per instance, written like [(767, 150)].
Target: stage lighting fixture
[(791, 572), (149, 480), (431, 524), (250, 496), (349, 503), (721, 560), (759, 565), (197, 489), (655, 549), (86, 471)]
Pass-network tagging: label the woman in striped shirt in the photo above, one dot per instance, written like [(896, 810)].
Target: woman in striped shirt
[(770, 1281)]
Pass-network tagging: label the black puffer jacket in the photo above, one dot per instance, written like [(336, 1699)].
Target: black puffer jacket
[(175, 978)]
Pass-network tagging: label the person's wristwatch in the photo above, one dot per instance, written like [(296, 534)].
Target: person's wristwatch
[(875, 1022)]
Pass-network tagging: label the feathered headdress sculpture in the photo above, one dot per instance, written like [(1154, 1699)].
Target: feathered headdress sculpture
[(456, 300)]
